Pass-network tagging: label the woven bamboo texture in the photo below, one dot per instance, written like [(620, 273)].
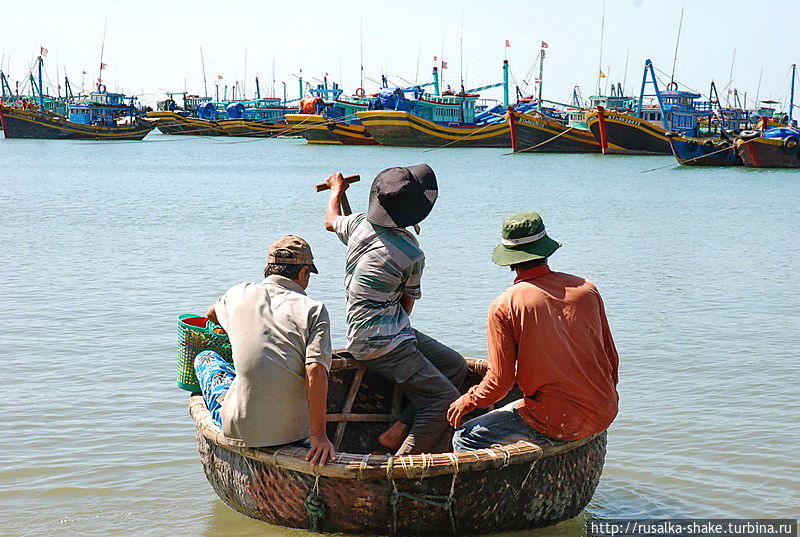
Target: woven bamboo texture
[(517, 486)]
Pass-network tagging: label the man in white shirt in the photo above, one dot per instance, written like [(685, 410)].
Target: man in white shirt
[(276, 391)]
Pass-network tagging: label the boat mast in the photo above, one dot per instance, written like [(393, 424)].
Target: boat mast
[(258, 90), (758, 88), (505, 83), (625, 77), (675, 57), (730, 80), (541, 70), (203, 62), (361, 53), (602, 31), (41, 95), (301, 83), (791, 95), (102, 50)]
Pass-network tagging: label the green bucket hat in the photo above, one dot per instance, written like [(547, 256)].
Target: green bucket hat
[(523, 239)]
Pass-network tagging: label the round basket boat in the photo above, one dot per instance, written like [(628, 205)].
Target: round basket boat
[(509, 487)]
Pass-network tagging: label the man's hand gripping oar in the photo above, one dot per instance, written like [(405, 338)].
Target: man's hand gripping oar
[(338, 205)]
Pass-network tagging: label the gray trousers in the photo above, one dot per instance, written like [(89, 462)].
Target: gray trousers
[(430, 375)]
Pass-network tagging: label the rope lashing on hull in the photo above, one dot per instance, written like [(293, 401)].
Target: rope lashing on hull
[(447, 502), (315, 508)]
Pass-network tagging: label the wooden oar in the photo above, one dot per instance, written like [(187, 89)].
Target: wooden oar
[(343, 198)]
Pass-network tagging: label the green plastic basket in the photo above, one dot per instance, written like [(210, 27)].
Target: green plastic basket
[(195, 335)]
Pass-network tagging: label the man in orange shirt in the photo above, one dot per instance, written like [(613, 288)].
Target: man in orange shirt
[(548, 333)]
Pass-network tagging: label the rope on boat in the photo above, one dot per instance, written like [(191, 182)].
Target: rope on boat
[(315, 508), (461, 139), (520, 488), (363, 465), (542, 143), (436, 500), (698, 158)]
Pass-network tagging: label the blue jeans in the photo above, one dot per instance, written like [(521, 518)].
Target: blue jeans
[(500, 426), (215, 376)]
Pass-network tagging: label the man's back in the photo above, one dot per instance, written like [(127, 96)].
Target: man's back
[(566, 358), (275, 331), (382, 265)]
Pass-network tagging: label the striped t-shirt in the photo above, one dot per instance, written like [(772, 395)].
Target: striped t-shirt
[(383, 264)]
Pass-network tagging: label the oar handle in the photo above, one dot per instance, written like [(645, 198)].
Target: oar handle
[(350, 179)]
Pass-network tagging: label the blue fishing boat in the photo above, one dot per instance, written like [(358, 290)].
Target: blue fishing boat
[(644, 132), (102, 116), (413, 117), (263, 117), (328, 116), (197, 117)]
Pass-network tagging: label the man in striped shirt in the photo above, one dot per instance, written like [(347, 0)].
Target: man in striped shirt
[(382, 281)]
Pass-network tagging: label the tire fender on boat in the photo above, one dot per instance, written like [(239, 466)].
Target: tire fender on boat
[(790, 145), (360, 92), (749, 134)]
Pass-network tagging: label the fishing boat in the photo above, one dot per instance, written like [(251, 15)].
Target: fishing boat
[(261, 117), (326, 116), (725, 139), (777, 147), (645, 131), (536, 132), (102, 116), (503, 488), (556, 130), (196, 118), (446, 119)]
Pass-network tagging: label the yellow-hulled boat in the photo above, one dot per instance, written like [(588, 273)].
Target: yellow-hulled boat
[(398, 128), (173, 123)]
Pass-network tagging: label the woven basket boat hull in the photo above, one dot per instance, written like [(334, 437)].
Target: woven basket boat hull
[(519, 486)]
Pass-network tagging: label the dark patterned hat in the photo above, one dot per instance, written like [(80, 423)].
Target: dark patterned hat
[(402, 197)]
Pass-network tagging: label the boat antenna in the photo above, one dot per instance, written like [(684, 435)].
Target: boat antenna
[(102, 50), (625, 78), (677, 42), (758, 88), (461, 58), (602, 31), (730, 79), (361, 52), (419, 53), (441, 59), (244, 80), (203, 63), (272, 88), (791, 96)]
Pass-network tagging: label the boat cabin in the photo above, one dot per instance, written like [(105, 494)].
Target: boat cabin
[(101, 108), (192, 103)]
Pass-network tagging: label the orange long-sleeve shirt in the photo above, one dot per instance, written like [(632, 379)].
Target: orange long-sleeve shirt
[(549, 333)]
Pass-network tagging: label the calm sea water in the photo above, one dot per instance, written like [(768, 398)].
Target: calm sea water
[(106, 243)]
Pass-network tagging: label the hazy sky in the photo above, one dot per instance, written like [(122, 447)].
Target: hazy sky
[(154, 46)]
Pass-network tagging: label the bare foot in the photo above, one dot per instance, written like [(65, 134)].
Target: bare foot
[(394, 437)]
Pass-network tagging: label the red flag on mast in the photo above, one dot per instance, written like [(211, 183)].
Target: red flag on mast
[(444, 64), (508, 43), (544, 45)]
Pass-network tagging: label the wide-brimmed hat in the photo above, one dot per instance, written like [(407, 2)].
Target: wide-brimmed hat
[(401, 197), (523, 239), (291, 250)]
